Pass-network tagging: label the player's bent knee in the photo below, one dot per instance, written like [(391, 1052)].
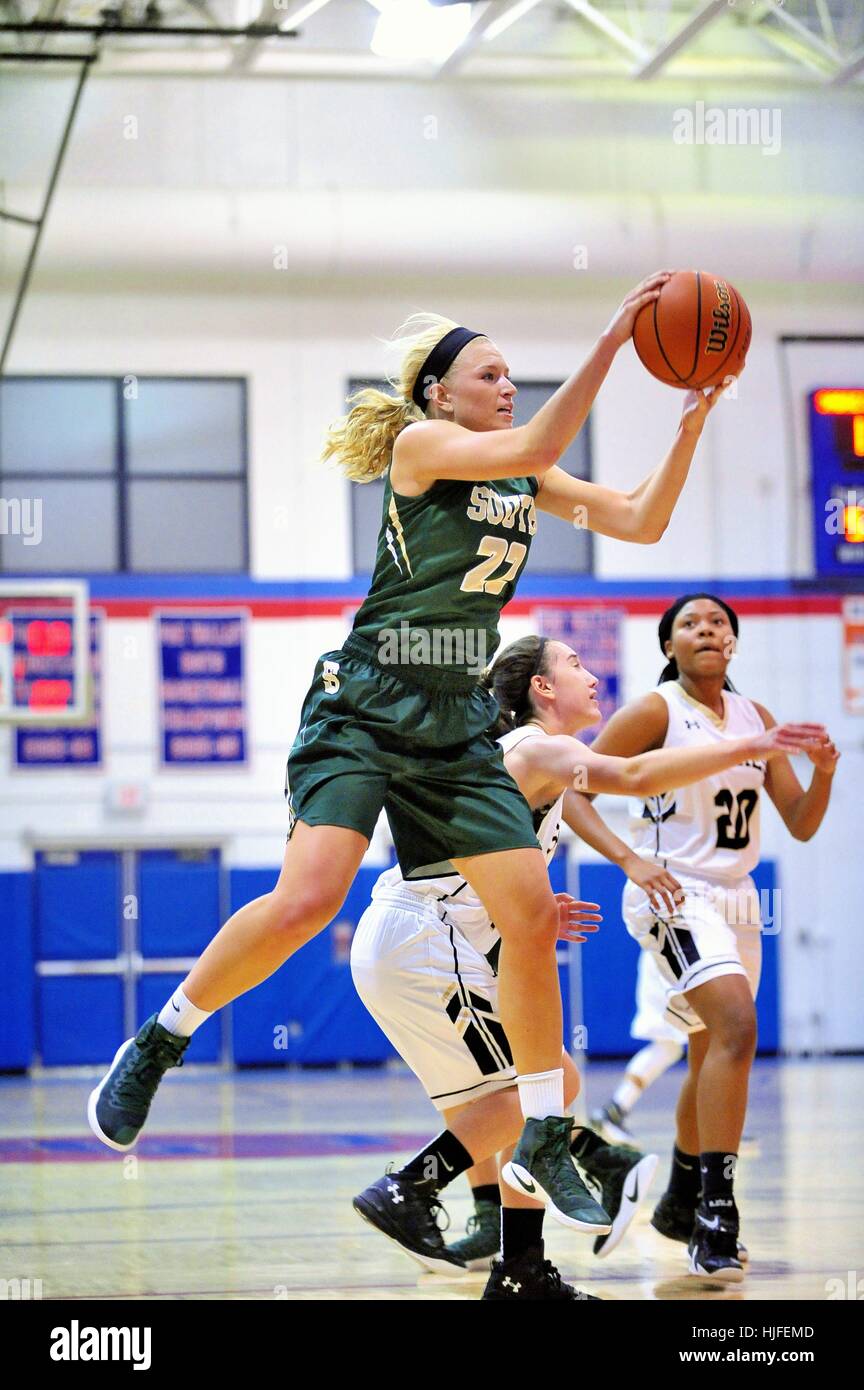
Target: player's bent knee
[(300, 916)]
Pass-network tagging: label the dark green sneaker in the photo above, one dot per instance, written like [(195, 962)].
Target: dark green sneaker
[(543, 1167), (483, 1241), (529, 1275), (118, 1107), (624, 1175)]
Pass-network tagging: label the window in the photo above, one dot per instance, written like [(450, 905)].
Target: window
[(556, 548), (123, 474)]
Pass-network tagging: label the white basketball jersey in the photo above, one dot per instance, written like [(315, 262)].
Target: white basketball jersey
[(455, 901), (710, 828)]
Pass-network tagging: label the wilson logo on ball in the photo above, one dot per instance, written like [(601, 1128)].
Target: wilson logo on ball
[(722, 316), (695, 333)]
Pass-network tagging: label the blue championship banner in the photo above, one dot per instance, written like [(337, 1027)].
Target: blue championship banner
[(202, 687), (595, 634), (44, 675)]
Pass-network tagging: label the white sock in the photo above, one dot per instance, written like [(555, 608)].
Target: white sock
[(647, 1065), (180, 1016), (541, 1094), (626, 1095)]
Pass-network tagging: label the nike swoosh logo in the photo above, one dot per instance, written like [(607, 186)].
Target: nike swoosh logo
[(175, 1006), (593, 1187), (712, 1225), (446, 1165), (634, 1195), (529, 1187)]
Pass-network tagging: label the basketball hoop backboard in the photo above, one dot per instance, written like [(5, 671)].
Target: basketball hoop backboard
[(44, 651)]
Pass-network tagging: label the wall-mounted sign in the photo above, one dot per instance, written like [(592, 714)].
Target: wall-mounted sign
[(202, 687)]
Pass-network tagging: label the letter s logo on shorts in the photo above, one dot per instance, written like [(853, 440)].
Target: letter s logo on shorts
[(330, 677)]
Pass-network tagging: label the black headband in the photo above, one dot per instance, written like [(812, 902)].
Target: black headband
[(439, 360)]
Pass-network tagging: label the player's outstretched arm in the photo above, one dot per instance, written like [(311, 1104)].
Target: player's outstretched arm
[(642, 515), (802, 811), (430, 450), (565, 762)]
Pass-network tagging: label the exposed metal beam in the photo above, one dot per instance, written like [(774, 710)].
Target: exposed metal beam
[(635, 20), (271, 15), (18, 217), (283, 61), (510, 16), (694, 25), (59, 28), (793, 48), (201, 7), (27, 57), (482, 17), (826, 21), (607, 26), (828, 50), (849, 70), (24, 282)]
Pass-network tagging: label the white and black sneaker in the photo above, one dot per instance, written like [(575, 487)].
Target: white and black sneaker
[(407, 1213), (713, 1247), (675, 1220), (624, 1175)]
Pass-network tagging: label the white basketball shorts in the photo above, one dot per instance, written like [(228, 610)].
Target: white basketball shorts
[(716, 931), (434, 996), (650, 1023)]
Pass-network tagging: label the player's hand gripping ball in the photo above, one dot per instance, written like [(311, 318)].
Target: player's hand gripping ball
[(695, 333)]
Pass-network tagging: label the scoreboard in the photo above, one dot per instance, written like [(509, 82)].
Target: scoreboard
[(836, 417)]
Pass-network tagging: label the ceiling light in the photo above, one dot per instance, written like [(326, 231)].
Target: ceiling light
[(414, 30)]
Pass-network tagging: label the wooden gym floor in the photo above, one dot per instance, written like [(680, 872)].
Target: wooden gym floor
[(242, 1189)]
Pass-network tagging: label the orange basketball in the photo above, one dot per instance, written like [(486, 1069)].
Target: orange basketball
[(696, 333)]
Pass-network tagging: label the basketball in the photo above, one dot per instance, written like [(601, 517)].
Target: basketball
[(696, 333)]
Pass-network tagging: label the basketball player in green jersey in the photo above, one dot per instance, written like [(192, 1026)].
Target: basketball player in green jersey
[(393, 721)]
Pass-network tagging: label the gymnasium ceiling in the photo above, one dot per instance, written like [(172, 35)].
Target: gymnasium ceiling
[(809, 43)]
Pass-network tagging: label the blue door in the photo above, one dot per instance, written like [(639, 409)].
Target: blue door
[(114, 931)]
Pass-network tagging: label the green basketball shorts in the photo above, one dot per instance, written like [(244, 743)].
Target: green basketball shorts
[(415, 741)]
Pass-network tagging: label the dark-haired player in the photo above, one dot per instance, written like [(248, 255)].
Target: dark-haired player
[(424, 961), (708, 950)]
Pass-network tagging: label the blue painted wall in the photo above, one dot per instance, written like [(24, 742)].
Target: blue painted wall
[(308, 1012), (17, 1021), (610, 961)]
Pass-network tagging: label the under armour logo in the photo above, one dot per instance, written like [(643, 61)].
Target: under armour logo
[(508, 1284), (394, 1192), (691, 723)]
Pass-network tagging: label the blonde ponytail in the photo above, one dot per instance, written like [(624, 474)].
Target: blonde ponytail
[(362, 441)]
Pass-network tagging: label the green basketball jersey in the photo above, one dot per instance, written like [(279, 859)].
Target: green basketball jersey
[(447, 562)]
